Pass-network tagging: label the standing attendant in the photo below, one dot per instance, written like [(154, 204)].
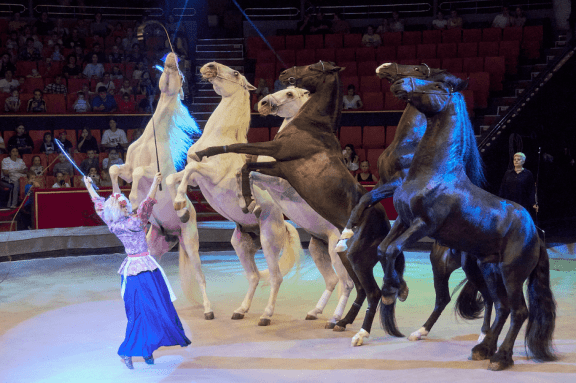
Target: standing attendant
[(152, 318), (518, 186)]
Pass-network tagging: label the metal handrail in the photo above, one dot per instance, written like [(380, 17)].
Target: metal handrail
[(255, 13), (10, 8), (74, 10), (527, 95), (377, 9), (184, 12), (490, 6)]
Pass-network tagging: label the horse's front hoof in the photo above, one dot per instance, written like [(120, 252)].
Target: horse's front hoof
[(500, 365), (481, 352), (237, 316), (209, 316), (330, 325), (264, 322), (194, 157), (388, 299), (185, 217), (403, 292), (311, 317), (339, 328)]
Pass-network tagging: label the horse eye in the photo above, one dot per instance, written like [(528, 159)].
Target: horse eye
[(236, 73), (289, 94), (416, 69)]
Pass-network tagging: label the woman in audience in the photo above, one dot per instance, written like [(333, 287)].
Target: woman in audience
[(87, 142), (351, 159), (351, 100), (36, 166), (365, 175), (519, 19), (396, 23), (455, 21), (21, 141), (439, 22), (13, 168), (37, 103), (71, 70), (48, 146), (371, 39), (339, 25), (137, 74), (12, 103)]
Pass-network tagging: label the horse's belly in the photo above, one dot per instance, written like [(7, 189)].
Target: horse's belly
[(225, 201)]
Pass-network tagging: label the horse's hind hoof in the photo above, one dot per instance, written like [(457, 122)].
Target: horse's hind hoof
[(388, 299), (403, 292), (330, 326), (209, 316), (186, 217), (500, 365), (264, 322), (311, 317), (339, 328), (237, 316), (480, 352)]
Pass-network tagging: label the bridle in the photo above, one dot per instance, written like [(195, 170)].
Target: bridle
[(413, 86), (292, 80), (239, 82), (277, 105)]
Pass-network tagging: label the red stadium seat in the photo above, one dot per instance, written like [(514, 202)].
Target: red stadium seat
[(372, 156), (288, 56), (391, 38), (258, 135), (27, 158), (510, 50), (467, 50), (333, 40), (305, 57), (426, 51), (373, 101), (410, 62), (314, 41), (349, 80), (450, 36), (432, 63), (491, 34), (295, 42), (392, 102), (488, 48), (345, 55), (265, 70), (479, 83), (326, 54), (55, 103), (385, 54), (374, 137), (469, 98), (365, 54), (24, 68), (446, 50), (367, 68), (265, 56), (496, 66), (512, 34), (351, 68), (432, 36), (411, 37), (533, 33), (531, 49), (369, 84), (473, 64), (24, 98), (352, 40), (96, 134), (472, 35), (406, 52), (390, 133), (351, 135), (30, 84), (277, 42), (273, 132)]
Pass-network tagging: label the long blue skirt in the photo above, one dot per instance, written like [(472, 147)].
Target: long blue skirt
[(152, 318)]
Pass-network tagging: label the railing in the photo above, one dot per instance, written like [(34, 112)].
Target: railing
[(11, 8), (184, 12), (255, 13), (491, 6), (109, 12)]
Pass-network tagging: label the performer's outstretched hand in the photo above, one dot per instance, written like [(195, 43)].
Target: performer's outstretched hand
[(157, 179), (88, 182), (155, 183)]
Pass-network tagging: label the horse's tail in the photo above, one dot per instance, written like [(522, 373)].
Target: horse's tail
[(469, 304), (291, 252), (388, 312), (542, 310)]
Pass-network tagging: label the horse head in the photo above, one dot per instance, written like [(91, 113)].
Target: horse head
[(308, 76), (226, 81), (395, 71), (285, 103), (429, 97), (171, 61)]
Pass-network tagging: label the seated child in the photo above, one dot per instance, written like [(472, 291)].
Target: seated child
[(365, 175), (105, 178), (93, 173), (37, 167), (126, 106), (91, 162), (81, 105), (60, 181), (113, 159), (12, 103)]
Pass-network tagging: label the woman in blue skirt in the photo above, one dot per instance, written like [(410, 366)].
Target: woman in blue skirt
[(152, 318)]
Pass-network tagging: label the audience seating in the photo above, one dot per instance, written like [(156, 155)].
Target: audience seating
[(258, 135), (273, 132), (345, 55), (352, 40), (374, 137), (496, 66), (488, 48), (351, 135), (433, 36), (512, 34), (370, 84), (452, 36), (390, 133), (373, 101), (295, 42), (392, 102), (471, 35), (367, 68), (406, 52), (37, 137), (326, 54), (467, 50), (479, 82), (305, 57), (349, 80), (334, 41), (426, 51), (385, 54), (351, 68), (55, 103), (365, 54), (491, 34), (372, 156), (412, 38), (314, 41), (472, 64), (391, 38)]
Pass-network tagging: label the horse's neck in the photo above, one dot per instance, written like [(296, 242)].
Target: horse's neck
[(286, 121), (324, 107), (229, 122), (409, 131)]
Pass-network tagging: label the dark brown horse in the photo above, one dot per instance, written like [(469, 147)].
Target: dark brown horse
[(439, 200), (309, 156)]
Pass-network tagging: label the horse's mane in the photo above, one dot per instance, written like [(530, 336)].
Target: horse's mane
[(185, 133), (469, 153)]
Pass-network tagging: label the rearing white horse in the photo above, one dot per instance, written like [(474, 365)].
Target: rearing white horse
[(175, 131), (324, 236), (216, 178)]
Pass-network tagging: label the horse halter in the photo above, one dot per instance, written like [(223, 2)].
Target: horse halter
[(449, 93), (279, 104), (292, 80), (218, 75)]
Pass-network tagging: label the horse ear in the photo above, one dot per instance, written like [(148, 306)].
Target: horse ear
[(249, 86), (342, 68), (461, 86)]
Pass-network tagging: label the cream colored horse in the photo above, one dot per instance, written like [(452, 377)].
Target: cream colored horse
[(174, 135), (324, 236), (216, 178)]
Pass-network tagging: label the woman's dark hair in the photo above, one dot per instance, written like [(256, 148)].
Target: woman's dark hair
[(351, 86), (38, 90), (46, 134), (36, 157), (351, 146), (89, 132)]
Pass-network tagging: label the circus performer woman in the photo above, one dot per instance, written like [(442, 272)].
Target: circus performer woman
[(152, 318)]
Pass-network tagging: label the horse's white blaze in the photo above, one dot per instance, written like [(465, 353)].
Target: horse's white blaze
[(358, 339)]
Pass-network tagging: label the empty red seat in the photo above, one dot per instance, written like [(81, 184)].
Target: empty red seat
[(385, 54), (369, 84), (406, 52), (390, 133), (37, 137), (326, 54), (510, 50), (305, 57), (496, 66), (55, 103), (351, 68), (411, 37), (426, 51), (433, 36), (409, 62), (372, 156), (345, 55), (24, 68), (373, 101), (492, 34), (288, 57), (254, 44), (472, 35), (314, 41), (258, 135), (333, 40), (392, 102), (349, 80), (453, 64), (432, 63), (265, 70), (352, 40), (391, 38), (351, 135), (473, 64), (446, 50), (512, 34), (531, 48), (467, 50), (488, 48), (30, 84), (277, 42), (469, 99), (479, 83), (263, 56), (294, 42), (365, 54), (374, 137), (533, 33), (452, 36), (367, 68)]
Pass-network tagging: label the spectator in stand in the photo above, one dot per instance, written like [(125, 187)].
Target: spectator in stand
[(87, 142), (113, 159), (115, 57), (6, 64), (93, 173), (2, 146), (12, 103), (60, 181), (94, 69), (21, 141), (384, 27), (48, 146), (519, 19), (118, 43), (339, 25), (65, 141), (351, 100), (455, 21), (114, 138), (130, 39), (137, 74), (12, 169), (35, 73), (304, 25), (126, 105), (365, 175), (96, 50), (98, 27), (37, 104), (64, 166), (502, 20), (8, 84), (320, 24), (60, 29), (105, 180), (27, 34), (351, 159), (135, 55), (145, 105), (29, 53), (57, 55), (439, 22), (83, 28), (56, 87), (12, 43), (118, 30), (88, 95), (106, 83), (55, 39), (90, 162), (371, 39), (79, 53), (74, 40), (71, 70), (81, 105), (278, 86), (104, 102), (16, 23), (25, 216), (126, 88), (396, 24), (44, 25), (116, 73), (36, 166)]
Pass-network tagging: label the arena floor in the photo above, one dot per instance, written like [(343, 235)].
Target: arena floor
[(63, 320)]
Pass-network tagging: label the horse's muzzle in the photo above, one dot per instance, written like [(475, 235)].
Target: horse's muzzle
[(265, 108)]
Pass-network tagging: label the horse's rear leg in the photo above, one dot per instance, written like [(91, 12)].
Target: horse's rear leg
[(474, 275), (443, 265), (360, 295), (319, 252), (246, 247), (346, 283)]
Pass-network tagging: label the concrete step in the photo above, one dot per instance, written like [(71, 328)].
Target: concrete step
[(502, 109), (234, 41), (540, 67), (207, 100), (491, 119), (222, 47), (533, 75), (203, 108), (519, 91), (219, 55), (507, 101)]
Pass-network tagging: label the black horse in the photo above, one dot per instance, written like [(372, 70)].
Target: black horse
[(309, 156), (439, 200)]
